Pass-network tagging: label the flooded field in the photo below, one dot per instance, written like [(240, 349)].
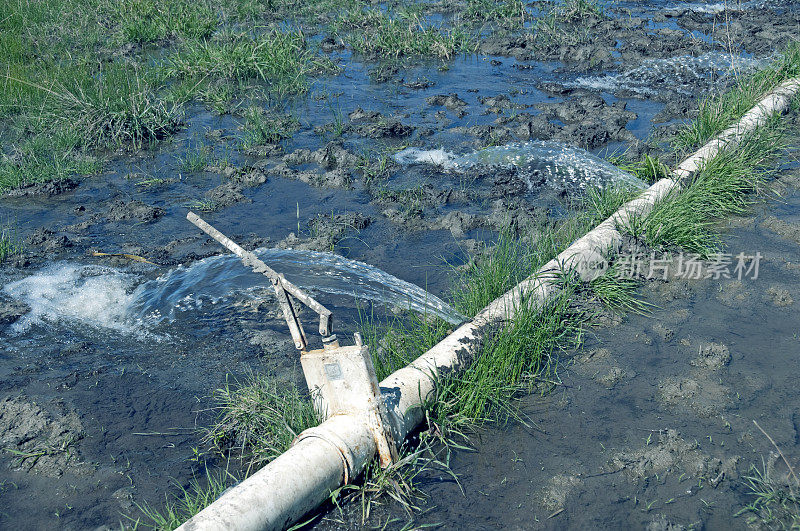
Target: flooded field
[(390, 168)]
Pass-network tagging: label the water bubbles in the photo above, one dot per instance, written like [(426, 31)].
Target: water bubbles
[(111, 299), (681, 74)]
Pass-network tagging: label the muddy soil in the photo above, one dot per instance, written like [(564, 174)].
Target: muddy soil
[(651, 424), (96, 418)]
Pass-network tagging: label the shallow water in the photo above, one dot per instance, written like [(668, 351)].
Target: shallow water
[(136, 350)]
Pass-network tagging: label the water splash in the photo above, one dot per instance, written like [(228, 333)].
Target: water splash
[(215, 278), (108, 298), (91, 295), (557, 165), (681, 74)]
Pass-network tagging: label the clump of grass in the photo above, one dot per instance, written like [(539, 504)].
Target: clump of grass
[(618, 293), (181, 506), (561, 24), (600, 203), (576, 10), (395, 344), (511, 360), (687, 218), (45, 157), (143, 21), (260, 129), (511, 12), (400, 481), (281, 59), (195, 159), (648, 168), (720, 111), (374, 167), (487, 276), (259, 418), (376, 33), (776, 504), (115, 106), (9, 243)]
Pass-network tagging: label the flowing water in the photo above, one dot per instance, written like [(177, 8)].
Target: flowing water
[(111, 298), (135, 350), (557, 165)]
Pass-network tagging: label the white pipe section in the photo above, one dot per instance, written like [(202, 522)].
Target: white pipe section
[(325, 457)]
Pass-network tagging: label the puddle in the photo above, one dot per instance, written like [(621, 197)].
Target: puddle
[(129, 353)]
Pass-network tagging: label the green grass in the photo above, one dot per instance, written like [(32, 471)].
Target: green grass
[(775, 505), (618, 293), (45, 157), (258, 418), (510, 12), (260, 129), (687, 219), (146, 21), (281, 59), (195, 159), (491, 274), (402, 34), (9, 242), (184, 504), (562, 23), (506, 367), (648, 168), (720, 111)]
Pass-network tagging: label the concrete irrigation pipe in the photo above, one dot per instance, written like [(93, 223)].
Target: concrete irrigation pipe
[(325, 457)]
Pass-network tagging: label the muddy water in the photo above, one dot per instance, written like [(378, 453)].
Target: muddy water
[(651, 425), (126, 399)]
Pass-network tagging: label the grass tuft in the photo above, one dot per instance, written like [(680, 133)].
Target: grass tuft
[(720, 111), (687, 219), (404, 34), (145, 21), (9, 242), (281, 59), (776, 504), (509, 12), (258, 418), (260, 129), (181, 506)]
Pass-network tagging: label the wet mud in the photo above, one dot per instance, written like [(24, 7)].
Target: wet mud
[(95, 419), (651, 424)]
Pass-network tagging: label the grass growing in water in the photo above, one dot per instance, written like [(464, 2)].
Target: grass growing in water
[(9, 243), (511, 12), (260, 129), (281, 59), (403, 34), (776, 504)]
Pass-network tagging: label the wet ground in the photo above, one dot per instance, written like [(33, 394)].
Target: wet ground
[(100, 411), (652, 423)]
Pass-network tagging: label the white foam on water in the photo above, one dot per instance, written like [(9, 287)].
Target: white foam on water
[(678, 73), (710, 8), (558, 165), (715, 8), (438, 157), (213, 279), (96, 296), (112, 299)]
